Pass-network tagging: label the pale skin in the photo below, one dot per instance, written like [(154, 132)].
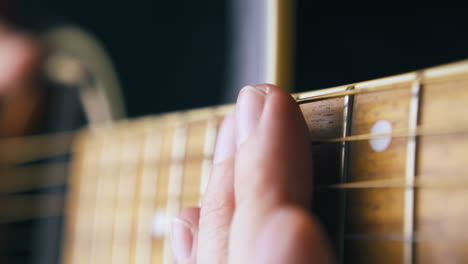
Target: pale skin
[(19, 56), (255, 209), (20, 101), (256, 206)]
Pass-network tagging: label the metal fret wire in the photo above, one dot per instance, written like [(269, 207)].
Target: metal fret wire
[(109, 176), (31, 141), (211, 131), (107, 153), (347, 117), (176, 175), (451, 127), (148, 186), (409, 193), (409, 184), (125, 199), (83, 198)]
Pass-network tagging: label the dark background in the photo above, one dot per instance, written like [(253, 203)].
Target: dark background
[(172, 55)]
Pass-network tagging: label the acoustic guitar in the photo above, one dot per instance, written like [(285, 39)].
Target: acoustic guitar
[(390, 183)]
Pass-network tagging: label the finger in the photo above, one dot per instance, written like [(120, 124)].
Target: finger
[(275, 159), (218, 201), (273, 162), (19, 55), (184, 236), (292, 236)]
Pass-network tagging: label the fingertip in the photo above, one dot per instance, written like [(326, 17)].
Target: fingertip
[(190, 215), (226, 141), (182, 239), (19, 55), (278, 148), (278, 93), (249, 109), (184, 235)]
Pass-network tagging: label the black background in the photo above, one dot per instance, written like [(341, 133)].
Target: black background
[(173, 54)]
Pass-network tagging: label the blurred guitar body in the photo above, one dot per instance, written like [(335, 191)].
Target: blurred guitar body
[(390, 183), (54, 97)]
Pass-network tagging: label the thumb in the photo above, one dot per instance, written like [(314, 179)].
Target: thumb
[(19, 55), (273, 163)]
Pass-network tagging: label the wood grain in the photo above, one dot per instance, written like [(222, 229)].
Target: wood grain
[(366, 224), (443, 213)]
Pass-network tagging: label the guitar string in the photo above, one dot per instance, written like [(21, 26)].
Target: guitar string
[(23, 183), (302, 100), (421, 182), (400, 237), (422, 130), (401, 133), (363, 236), (340, 94), (61, 141), (426, 238), (26, 178), (416, 238), (420, 237), (23, 209)]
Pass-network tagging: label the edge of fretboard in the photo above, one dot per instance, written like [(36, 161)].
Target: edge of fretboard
[(189, 116), (429, 74)]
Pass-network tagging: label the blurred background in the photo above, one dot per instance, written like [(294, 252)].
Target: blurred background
[(174, 55)]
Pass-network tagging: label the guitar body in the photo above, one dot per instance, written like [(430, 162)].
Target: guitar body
[(53, 99), (389, 154), (407, 204), (390, 183)]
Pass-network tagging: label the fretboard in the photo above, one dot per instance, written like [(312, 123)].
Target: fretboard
[(390, 183)]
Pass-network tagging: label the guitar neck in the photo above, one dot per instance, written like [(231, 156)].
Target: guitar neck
[(389, 174)]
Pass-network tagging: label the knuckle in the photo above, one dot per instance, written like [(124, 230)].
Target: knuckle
[(213, 207)]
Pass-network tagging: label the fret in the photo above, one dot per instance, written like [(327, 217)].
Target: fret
[(347, 121), (408, 225), (372, 211), (160, 217), (83, 195), (325, 120), (107, 175), (176, 174), (391, 216), (105, 193), (148, 181), (90, 196), (442, 213), (193, 163), (72, 213), (126, 183), (211, 131)]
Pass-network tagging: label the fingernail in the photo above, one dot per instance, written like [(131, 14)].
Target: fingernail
[(249, 108), (182, 239), (226, 142)]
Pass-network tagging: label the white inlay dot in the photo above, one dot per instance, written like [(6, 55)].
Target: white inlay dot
[(159, 224), (382, 143)]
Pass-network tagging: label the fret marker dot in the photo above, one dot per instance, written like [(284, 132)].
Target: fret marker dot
[(382, 143), (159, 224)]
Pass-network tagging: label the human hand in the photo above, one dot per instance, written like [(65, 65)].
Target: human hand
[(255, 207), (20, 99), (19, 56)]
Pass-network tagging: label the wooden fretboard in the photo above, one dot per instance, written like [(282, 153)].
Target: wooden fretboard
[(390, 177)]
